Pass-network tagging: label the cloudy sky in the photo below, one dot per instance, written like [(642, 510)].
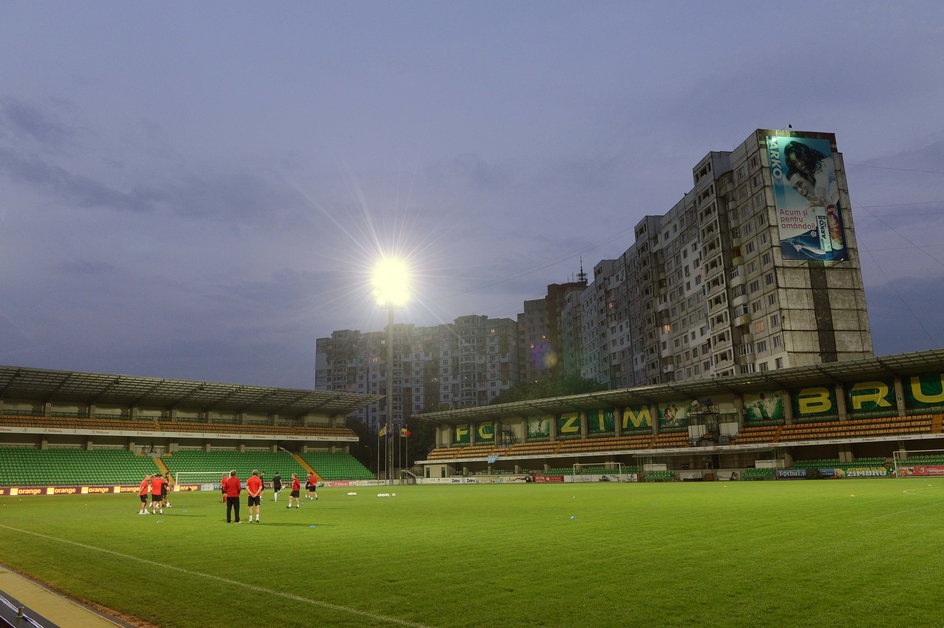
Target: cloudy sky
[(198, 189)]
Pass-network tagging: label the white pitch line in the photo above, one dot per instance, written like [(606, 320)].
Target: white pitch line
[(288, 596)]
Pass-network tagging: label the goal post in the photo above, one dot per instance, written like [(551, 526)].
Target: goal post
[(199, 477), (600, 472), (919, 463)]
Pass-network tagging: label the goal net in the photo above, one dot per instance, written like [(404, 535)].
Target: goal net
[(919, 463), (601, 472), (208, 480)]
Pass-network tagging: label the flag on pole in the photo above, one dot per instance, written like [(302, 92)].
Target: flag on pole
[(382, 432), (405, 432)]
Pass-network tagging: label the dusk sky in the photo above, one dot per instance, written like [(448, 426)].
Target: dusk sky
[(197, 190)]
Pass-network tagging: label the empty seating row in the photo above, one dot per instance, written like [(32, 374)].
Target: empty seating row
[(24, 466), (118, 424), (337, 466), (243, 463)]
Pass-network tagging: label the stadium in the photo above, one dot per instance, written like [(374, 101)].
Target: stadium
[(663, 505)]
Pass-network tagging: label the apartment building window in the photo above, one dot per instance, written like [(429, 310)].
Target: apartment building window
[(775, 320), (758, 327), (753, 287), (763, 366), (778, 340), (765, 259), (778, 363), (757, 306), (768, 279), (761, 346), (771, 299), (749, 247)]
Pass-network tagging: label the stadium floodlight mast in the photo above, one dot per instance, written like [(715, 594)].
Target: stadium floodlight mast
[(391, 281)]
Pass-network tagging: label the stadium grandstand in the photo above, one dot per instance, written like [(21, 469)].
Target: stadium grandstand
[(868, 418), (864, 418), (62, 429)]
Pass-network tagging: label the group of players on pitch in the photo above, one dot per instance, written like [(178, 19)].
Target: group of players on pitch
[(153, 493)]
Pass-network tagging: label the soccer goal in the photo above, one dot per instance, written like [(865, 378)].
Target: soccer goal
[(600, 472), (208, 480), (919, 463)]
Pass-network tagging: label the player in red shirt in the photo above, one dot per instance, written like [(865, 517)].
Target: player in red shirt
[(143, 490), (296, 489), (157, 498), (254, 488), (232, 487), (311, 486)]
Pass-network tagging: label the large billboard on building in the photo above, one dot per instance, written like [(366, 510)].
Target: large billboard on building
[(806, 193)]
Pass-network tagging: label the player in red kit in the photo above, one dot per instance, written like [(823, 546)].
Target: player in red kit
[(232, 487), (254, 488), (296, 489), (157, 491), (143, 490)]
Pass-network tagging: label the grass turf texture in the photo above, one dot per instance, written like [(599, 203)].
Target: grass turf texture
[(802, 553)]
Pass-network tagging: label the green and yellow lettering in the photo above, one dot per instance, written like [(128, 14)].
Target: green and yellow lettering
[(919, 394), (461, 434), (638, 419), (865, 392), (486, 431), (814, 401), (570, 423)]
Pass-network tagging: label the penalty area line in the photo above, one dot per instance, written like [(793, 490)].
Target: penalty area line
[(208, 576)]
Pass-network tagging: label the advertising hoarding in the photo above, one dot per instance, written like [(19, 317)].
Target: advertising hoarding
[(806, 195)]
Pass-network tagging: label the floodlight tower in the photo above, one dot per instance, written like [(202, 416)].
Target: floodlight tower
[(391, 282)]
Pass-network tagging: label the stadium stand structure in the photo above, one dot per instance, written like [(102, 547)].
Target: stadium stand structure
[(77, 428), (337, 466), (244, 463), (852, 410), (854, 413), (34, 467)]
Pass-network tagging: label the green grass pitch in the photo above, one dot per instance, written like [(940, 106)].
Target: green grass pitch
[(802, 553)]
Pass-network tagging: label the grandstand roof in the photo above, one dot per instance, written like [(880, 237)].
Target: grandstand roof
[(46, 385), (897, 365)]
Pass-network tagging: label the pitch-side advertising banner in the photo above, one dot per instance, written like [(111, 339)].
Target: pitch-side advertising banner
[(806, 193)]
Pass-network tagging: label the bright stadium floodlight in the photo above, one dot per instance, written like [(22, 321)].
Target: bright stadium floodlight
[(391, 281)]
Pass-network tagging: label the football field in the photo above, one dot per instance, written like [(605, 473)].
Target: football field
[(800, 553)]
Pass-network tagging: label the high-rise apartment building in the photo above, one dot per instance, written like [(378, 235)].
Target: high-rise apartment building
[(756, 268), (463, 364)]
